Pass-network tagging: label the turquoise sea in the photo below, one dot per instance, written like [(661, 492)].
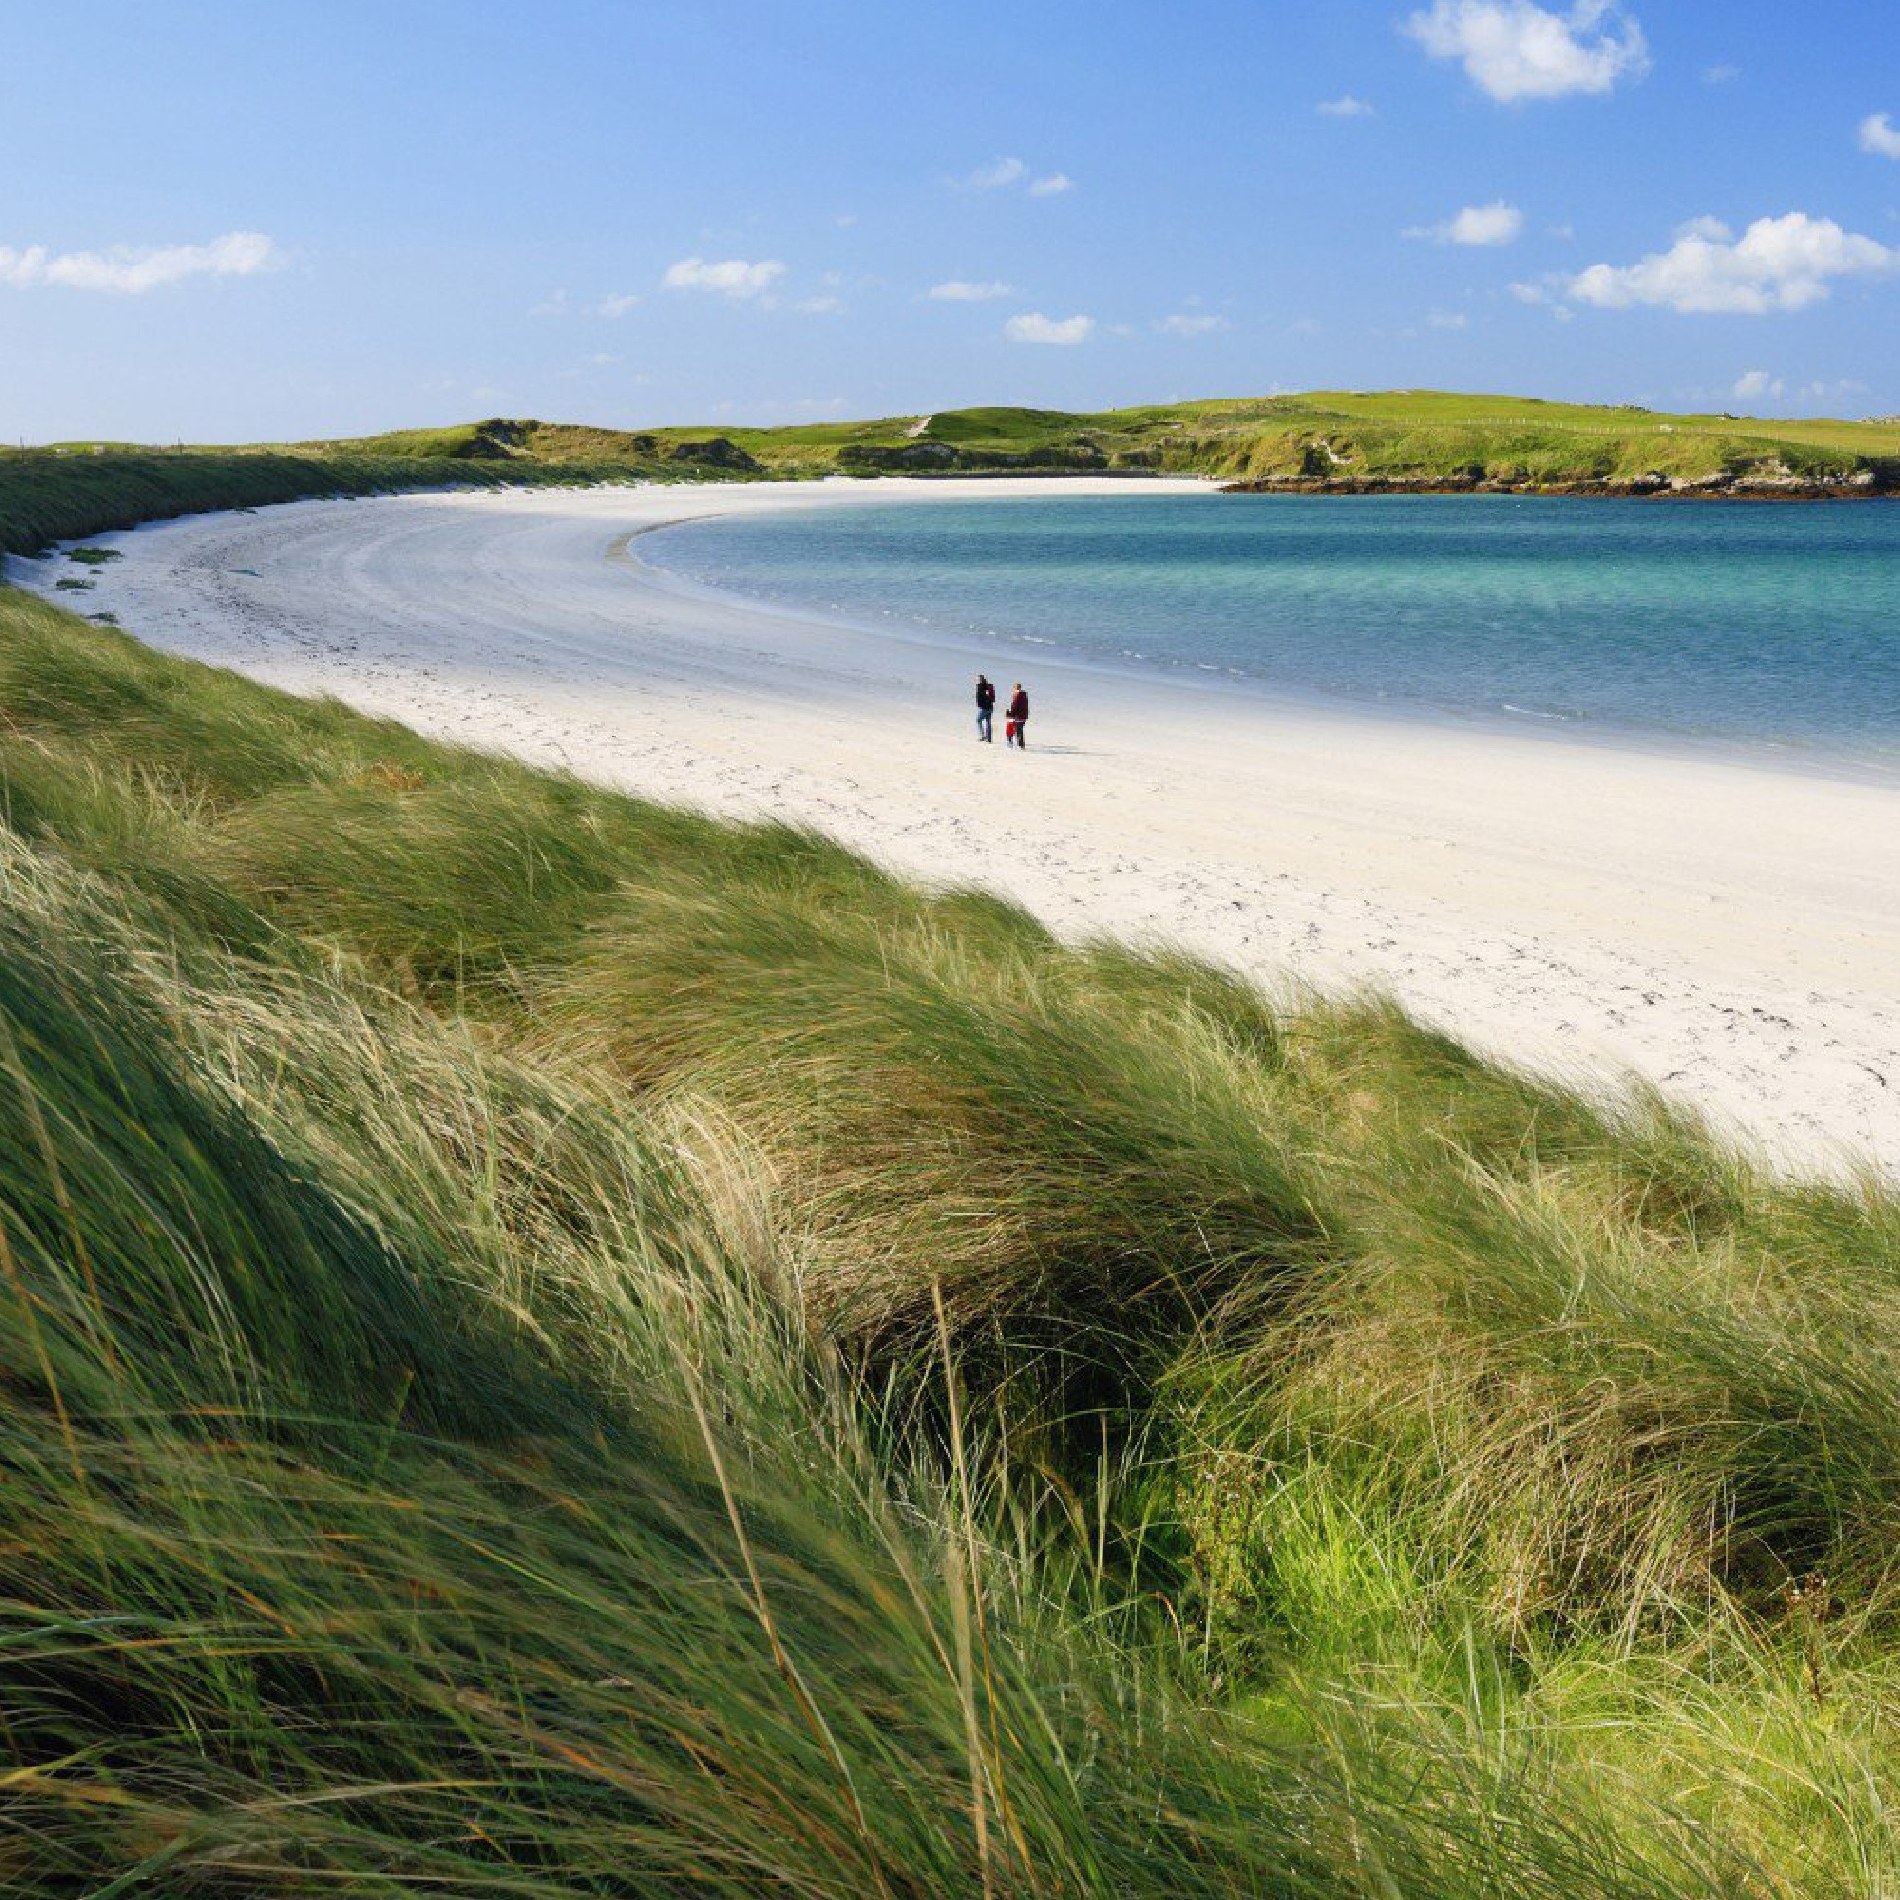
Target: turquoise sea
[(1760, 625)]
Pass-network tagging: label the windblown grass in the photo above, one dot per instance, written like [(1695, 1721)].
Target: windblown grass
[(554, 1346)]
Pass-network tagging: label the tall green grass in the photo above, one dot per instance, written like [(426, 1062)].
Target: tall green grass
[(555, 1346)]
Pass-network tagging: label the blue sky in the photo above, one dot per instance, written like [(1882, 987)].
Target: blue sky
[(239, 222)]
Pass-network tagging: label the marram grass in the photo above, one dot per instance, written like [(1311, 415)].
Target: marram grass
[(553, 1346)]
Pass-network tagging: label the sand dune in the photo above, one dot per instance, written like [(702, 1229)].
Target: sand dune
[(1727, 930)]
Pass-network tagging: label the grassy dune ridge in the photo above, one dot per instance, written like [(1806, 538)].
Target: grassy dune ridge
[(558, 1346), (1397, 437), (1325, 439)]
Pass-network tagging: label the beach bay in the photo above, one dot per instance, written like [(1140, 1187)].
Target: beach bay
[(1718, 924)]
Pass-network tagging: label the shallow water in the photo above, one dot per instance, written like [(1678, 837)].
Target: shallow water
[(1763, 625)]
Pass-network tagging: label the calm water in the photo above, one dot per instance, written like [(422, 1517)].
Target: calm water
[(1751, 623)]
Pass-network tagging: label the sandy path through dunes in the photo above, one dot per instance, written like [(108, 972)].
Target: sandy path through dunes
[(1730, 931)]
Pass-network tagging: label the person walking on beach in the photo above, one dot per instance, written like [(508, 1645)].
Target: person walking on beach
[(1016, 730), (985, 705)]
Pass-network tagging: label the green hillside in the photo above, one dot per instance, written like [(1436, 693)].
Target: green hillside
[(1336, 438), (1325, 440), (554, 1346)]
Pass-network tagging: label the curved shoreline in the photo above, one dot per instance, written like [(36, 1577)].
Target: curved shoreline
[(1723, 930), (1756, 752)]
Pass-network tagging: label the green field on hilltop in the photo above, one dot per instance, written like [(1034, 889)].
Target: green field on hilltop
[(557, 1346), (1398, 436), (1390, 438)]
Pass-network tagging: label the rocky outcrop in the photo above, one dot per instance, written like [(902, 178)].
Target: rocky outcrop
[(942, 458), (1772, 483), (715, 452), (871, 458)]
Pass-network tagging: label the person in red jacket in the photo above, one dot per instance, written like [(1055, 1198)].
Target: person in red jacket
[(1016, 732)]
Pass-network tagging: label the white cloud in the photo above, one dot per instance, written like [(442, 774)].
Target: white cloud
[(1720, 75), (1497, 223), (615, 306), (1345, 107), (1879, 135), (1034, 327), (1005, 171), (1530, 293), (1448, 320), (1754, 384), (1191, 323), (128, 271), (554, 306), (1776, 264), (825, 306), (1004, 174), (1514, 50), (958, 291), (732, 278)]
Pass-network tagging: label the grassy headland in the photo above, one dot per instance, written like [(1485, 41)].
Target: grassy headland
[(1339, 441), (1321, 442), (555, 1346), (1325, 441)]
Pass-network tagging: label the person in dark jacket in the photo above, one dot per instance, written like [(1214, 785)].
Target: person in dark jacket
[(985, 705), (1016, 732)]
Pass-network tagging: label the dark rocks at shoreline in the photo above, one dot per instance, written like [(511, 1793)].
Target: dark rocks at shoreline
[(1722, 485)]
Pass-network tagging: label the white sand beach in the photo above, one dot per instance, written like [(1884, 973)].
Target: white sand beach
[(1726, 930)]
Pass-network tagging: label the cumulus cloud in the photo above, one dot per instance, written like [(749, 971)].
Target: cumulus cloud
[(994, 177), (1190, 323), (1005, 174), (1448, 320), (1345, 107), (129, 271), (1879, 135), (959, 291), (615, 306), (1720, 75), (1496, 223), (1514, 50), (1753, 384), (733, 277), (825, 305), (1034, 327), (1781, 263)]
